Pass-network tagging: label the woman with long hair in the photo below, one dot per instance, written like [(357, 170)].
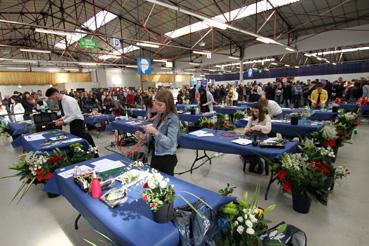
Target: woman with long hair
[(162, 134), (258, 124)]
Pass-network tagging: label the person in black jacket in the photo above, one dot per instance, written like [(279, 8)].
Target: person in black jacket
[(287, 94), (28, 105)]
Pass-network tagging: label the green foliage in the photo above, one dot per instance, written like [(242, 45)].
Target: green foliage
[(227, 191), (239, 115)]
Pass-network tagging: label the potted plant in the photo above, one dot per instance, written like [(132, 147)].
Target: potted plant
[(238, 115), (159, 195), (223, 124), (206, 123), (303, 179), (243, 222)]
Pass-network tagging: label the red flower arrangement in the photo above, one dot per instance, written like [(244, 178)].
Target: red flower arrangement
[(338, 101), (330, 143)]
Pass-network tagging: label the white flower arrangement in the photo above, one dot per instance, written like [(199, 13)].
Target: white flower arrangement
[(247, 220), (294, 161), (329, 132), (327, 151), (35, 161)]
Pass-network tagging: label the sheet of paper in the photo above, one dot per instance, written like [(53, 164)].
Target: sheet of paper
[(242, 141), (34, 137), (69, 173), (198, 132), (279, 121), (71, 140), (107, 165)]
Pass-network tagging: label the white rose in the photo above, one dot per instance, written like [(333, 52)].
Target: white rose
[(245, 216), (256, 211), (248, 223), (240, 219), (236, 223), (240, 229), (151, 184), (253, 219), (244, 211), (163, 184), (250, 231)]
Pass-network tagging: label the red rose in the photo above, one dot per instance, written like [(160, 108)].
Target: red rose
[(318, 169), (341, 134), (326, 171), (318, 164), (39, 175), (282, 174), (330, 143), (210, 126), (356, 124), (153, 205), (287, 186), (146, 198), (146, 185), (327, 164), (48, 176)]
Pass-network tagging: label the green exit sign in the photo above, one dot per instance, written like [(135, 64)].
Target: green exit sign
[(87, 43)]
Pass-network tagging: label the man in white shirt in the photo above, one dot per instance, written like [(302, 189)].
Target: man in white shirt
[(274, 110), (72, 114)]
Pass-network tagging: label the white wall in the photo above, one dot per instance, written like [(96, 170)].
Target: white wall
[(7, 90), (86, 85), (116, 77)]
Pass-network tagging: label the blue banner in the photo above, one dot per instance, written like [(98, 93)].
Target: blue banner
[(144, 65)]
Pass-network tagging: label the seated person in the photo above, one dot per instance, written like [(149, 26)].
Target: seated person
[(274, 110), (258, 124), (319, 97)]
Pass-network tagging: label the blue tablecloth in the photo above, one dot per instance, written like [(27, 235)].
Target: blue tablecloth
[(137, 112), (348, 106), (287, 111), (93, 120), (185, 106), (230, 110), (18, 128), (130, 223), (193, 117), (224, 145), (364, 108), (318, 115), (39, 145), (246, 104), (288, 130), (130, 126)]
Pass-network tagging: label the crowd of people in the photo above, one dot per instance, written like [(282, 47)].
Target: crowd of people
[(287, 94), (297, 94)]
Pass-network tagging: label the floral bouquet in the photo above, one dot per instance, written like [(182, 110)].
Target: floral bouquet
[(206, 123), (244, 222), (329, 137), (238, 115), (346, 124), (223, 124), (158, 191), (38, 167), (363, 101), (299, 175)]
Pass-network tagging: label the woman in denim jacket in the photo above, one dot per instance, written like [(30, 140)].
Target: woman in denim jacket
[(162, 134)]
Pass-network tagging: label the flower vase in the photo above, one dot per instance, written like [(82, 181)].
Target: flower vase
[(294, 120), (300, 202), (164, 214), (329, 183)]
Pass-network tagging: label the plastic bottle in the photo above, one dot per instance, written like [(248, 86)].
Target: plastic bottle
[(96, 191)]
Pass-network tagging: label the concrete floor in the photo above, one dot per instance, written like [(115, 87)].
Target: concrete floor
[(38, 220)]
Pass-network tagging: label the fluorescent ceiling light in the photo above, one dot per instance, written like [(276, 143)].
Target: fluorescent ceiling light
[(47, 31), (236, 14), (87, 63), (16, 68), (274, 63), (108, 56), (297, 67), (333, 63), (194, 63), (266, 40), (36, 51), (247, 62), (201, 52), (151, 45), (71, 69), (290, 49), (331, 52), (24, 61), (94, 23), (308, 54), (286, 65), (160, 60), (233, 57), (131, 66)]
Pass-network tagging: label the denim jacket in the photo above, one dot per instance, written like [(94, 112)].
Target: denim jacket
[(166, 141)]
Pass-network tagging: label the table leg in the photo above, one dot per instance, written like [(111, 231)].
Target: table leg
[(271, 181), (76, 222), (197, 159)]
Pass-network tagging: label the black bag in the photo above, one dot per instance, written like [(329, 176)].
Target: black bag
[(196, 230), (292, 236), (44, 121)]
